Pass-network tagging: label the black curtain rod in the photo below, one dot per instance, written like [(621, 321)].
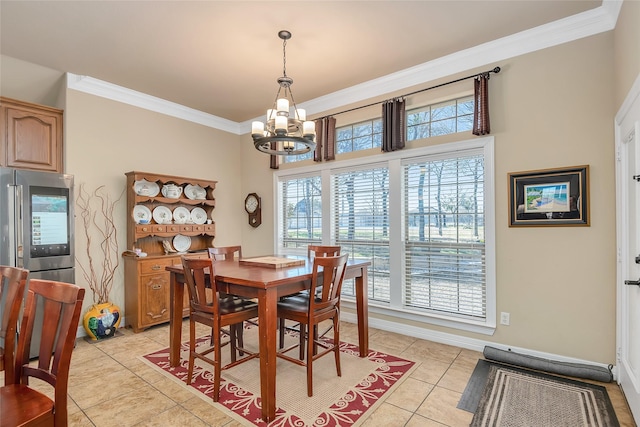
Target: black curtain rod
[(496, 70)]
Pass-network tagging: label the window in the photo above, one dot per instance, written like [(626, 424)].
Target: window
[(423, 217), (361, 215), (301, 211), (299, 157), (445, 235), (444, 118), (360, 136), (440, 119)]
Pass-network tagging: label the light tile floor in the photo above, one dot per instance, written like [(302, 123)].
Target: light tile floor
[(110, 386)]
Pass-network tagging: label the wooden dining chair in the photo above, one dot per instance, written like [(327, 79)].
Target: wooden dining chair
[(209, 309), (328, 273), (225, 253), (12, 283), (22, 405), (312, 252), (228, 253)]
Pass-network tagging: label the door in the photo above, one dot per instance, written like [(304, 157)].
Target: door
[(628, 244)]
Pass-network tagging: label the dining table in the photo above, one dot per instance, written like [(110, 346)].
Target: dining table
[(265, 283)]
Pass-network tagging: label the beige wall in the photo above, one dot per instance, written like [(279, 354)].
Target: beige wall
[(626, 49), (551, 108)]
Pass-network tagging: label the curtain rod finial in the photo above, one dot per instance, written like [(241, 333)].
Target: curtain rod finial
[(496, 70)]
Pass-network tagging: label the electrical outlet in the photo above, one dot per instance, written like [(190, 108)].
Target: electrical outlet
[(504, 318)]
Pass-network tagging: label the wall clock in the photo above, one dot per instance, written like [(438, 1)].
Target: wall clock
[(253, 208)]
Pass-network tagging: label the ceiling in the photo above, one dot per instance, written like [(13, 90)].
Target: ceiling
[(223, 57)]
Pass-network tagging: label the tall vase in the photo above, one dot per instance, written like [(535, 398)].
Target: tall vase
[(101, 320)]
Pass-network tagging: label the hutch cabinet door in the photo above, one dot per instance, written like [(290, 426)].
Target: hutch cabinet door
[(154, 300)]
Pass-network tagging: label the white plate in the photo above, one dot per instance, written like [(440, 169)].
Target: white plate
[(198, 216), (181, 243), (146, 188), (181, 215), (194, 192), (162, 215), (141, 212)]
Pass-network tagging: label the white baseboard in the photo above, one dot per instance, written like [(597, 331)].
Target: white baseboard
[(461, 341)]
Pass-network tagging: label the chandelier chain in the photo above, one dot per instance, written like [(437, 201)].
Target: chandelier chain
[(284, 58)]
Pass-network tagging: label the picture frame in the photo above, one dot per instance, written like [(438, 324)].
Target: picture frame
[(549, 197)]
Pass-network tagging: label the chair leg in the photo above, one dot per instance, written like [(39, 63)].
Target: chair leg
[(192, 349), (315, 340), (303, 333), (310, 344), (217, 366), (336, 343), (240, 336), (233, 343), (281, 326)]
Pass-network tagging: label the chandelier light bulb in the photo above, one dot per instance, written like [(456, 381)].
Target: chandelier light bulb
[(309, 129), (283, 105), (257, 128)]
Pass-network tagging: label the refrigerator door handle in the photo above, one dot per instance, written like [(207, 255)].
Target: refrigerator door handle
[(15, 218)]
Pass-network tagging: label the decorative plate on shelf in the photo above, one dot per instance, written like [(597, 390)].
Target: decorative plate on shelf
[(162, 215), (142, 214), (195, 192), (181, 243), (146, 188), (181, 215), (198, 215)]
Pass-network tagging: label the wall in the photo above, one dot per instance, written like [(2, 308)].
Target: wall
[(551, 108), (626, 49), (32, 83)]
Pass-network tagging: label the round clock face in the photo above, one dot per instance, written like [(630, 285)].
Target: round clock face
[(251, 204)]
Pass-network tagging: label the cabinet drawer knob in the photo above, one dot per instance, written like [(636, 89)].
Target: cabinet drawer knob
[(156, 267), (156, 287)]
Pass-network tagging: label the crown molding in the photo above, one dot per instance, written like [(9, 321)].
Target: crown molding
[(585, 24), (142, 100)]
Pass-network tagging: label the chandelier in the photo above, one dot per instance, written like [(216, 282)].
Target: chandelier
[(287, 131)]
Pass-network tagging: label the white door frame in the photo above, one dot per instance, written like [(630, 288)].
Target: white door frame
[(626, 377)]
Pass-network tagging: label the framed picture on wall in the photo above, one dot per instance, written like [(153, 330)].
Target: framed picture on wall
[(549, 197)]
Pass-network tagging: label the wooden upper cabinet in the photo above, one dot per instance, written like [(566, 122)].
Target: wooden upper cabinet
[(31, 136)]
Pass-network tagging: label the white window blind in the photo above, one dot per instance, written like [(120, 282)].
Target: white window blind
[(361, 223), (444, 235), (301, 211)]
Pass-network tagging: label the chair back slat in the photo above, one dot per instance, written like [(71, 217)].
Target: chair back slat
[(12, 284), (225, 253)]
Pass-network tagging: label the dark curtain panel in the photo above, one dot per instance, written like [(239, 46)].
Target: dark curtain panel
[(329, 143), (317, 154), (325, 139), (393, 125), (481, 125), (274, 161)]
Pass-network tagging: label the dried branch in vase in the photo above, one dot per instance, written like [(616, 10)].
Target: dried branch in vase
[(96, 210)]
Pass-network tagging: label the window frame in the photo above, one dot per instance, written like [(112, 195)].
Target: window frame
[(395, 308)]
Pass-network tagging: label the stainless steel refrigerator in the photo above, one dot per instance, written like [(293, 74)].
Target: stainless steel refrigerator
[(37, 227)]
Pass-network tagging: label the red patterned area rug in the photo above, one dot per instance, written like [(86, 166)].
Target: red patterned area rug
[(337, 401)]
